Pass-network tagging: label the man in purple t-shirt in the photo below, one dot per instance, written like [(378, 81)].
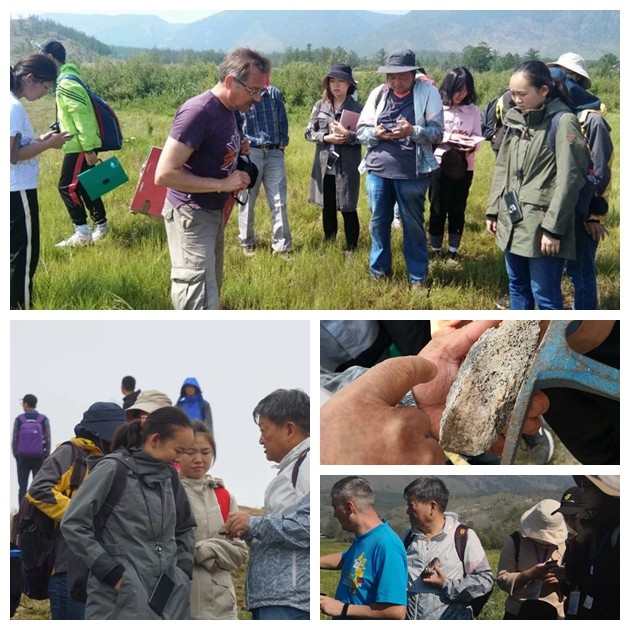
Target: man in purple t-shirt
[(198, 165)]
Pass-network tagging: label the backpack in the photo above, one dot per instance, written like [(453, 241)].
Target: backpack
[(223, 499), (108, 125), (516, 538), (296, 466), (588, 190), (30, 443), (35, 534), (461, 538), (492, 127)]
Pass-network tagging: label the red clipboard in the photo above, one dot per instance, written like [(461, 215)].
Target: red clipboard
[(149, 198)]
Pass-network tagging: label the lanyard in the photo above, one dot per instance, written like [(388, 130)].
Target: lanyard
[(156, 540)]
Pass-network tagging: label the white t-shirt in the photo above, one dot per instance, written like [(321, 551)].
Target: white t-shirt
[(24, 174)]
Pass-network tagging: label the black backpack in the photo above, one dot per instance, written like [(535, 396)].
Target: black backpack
[(461, 538), (492, 127), (35, 534)]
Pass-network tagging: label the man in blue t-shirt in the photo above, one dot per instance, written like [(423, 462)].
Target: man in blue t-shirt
[(373, 582), (198, 165)]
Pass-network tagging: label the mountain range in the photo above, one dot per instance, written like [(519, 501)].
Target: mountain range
[(591, 33), (492, 503)]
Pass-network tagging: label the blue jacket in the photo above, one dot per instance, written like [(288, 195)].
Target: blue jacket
[(195, 407), (428, 130)]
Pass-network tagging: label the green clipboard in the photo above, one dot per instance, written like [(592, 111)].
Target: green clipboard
[(102, 178)]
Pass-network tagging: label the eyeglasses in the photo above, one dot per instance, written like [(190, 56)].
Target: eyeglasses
[(253, 93), (238, 199)]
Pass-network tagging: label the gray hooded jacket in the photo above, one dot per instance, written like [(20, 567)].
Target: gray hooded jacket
[(151, 531)]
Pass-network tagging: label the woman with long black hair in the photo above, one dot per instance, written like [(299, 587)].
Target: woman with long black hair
[(31, 78), (537, 179), (141, 559), (334, 177)]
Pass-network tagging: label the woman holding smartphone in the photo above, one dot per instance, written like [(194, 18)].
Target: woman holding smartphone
[(530, 557), (31, 78), (537, 179), (141, 559), (335, 177)]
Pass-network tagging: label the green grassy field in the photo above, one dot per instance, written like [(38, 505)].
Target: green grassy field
[(130, 268), (329, 580)]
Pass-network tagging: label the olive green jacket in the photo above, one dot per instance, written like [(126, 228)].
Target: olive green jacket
[(547, 182)]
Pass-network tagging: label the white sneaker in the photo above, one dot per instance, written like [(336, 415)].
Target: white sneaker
[(81, 236), (100, 231)]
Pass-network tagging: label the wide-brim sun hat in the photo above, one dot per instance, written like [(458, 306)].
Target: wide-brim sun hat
[(574, 63), (341, 71), (400, 61), (608, 484), (149, 400), (542, 524), (101, 420)]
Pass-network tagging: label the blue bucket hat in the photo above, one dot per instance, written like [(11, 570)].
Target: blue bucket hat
[(101, 420)]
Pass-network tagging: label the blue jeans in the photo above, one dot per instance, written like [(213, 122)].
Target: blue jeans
[(272, 175), (62, 606), (535, 282), (409, 195), (279, 612), (582, 270)]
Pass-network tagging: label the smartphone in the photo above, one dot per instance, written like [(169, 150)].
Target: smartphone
[(161, 594), (333, 156), (430, 568)]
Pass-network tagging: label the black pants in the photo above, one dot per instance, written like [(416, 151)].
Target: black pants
[(329, 216), (24, 468), (74, 195), (24, 246), (448, 199)]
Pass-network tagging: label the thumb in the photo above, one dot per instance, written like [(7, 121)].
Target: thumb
[(391, 379)]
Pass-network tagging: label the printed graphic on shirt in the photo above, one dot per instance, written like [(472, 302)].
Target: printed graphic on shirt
[(231, 155), (354, 579)]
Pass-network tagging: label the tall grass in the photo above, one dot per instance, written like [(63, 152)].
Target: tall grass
[(130, 268)]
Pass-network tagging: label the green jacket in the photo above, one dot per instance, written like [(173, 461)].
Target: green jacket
[(547, 183), (76, 113)]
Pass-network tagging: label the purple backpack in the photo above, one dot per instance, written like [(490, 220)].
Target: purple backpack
[(31, 436)]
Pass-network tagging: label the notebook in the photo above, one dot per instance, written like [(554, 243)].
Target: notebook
[(349, 119)]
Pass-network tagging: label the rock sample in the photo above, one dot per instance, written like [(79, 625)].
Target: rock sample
[(480, 402)]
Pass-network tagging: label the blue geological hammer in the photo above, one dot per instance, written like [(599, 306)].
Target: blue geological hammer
[(555, 364)]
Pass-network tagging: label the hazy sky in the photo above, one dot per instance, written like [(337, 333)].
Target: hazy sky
[(188, 11), (69, 365)]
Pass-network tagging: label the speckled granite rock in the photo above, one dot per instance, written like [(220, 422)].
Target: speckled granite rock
[(480, 402)]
